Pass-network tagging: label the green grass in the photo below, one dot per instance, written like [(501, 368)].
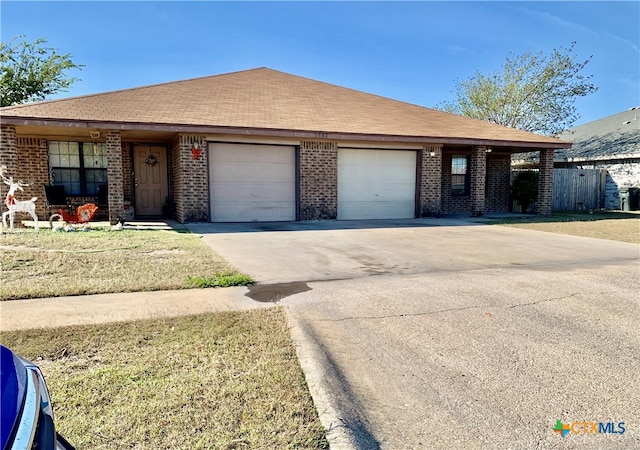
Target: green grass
[(58, 264), (220, 280), (213, 381)]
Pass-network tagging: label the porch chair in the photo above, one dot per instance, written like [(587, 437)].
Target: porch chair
[(55, 198)]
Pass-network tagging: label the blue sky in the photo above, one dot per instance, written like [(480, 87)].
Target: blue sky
[(409, 51)]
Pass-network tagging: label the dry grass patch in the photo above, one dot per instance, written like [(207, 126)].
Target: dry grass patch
[(48, 264), (613, 226), (212, 381)]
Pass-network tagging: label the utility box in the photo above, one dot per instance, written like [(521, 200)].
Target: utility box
[(634, 199)]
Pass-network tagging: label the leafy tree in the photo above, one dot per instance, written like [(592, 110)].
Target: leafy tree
[(29, 71), (533, 92), (525, 189)]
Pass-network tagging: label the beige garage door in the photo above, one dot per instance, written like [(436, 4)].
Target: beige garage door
[(252, 183), (376, 184)]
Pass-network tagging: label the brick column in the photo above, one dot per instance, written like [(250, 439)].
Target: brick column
[(478, 180), (8, 157), (430, 180), (33, 168), (498, 182), (545, 182), (318, 180), (114, 176), (191, 179), (8, 149)]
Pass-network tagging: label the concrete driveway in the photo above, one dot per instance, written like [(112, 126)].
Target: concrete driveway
[(470, 336)]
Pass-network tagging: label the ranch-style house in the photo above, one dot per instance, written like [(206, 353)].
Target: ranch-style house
[(263, 145)]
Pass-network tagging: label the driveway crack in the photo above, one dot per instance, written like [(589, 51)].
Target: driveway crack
[(440, 311), (545, 300)]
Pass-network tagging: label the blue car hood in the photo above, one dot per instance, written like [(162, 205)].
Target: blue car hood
[(13, 380)]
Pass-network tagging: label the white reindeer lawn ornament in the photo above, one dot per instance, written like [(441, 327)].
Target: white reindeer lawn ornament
[(14, 205)]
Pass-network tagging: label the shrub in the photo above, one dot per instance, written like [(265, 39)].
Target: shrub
[(525, 189)]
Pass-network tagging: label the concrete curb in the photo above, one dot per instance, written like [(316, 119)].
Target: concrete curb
[(314, 365)]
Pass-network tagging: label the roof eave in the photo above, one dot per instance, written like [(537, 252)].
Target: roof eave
[(274, 132)]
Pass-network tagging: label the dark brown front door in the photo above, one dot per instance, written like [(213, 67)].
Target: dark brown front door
[(150, 176)]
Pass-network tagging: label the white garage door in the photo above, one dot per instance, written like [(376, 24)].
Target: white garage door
[(376, 184), (252, 183)]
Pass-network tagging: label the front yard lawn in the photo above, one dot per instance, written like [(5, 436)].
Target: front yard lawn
[(213, 381), (48, 264), (617, 226)]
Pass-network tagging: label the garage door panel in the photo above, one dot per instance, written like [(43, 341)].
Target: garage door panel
[(252, 183), (376, 184)]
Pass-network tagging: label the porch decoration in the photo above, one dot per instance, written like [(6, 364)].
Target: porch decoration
[(14, 205), (151, 161), (84, 214), (196, 151)]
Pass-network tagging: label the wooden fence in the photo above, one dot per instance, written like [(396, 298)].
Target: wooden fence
[(576, 189)]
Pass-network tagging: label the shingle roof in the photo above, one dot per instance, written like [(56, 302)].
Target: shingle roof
[(616, 136), (268, 99)]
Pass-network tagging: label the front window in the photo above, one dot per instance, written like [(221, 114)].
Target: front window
[(459, 172), (81, 167)]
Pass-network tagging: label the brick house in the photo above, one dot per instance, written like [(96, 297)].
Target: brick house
[(610, 144), (262, 145)]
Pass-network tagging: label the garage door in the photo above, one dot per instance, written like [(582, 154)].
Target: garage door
[(376, 184), (252, 183)]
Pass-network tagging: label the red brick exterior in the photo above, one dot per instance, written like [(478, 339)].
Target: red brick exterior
[(8, 149), (318, 180), (26, 158), (545, 182), (114, 176), (190, 186), (497, 182), (478, 168), (430, 160)]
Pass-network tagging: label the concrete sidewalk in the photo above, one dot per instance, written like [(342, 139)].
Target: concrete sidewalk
[(121, 307)]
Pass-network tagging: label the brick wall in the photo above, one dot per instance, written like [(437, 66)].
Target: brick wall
[(545, 182), (318, 180), (115, 176), (478, 173), (498, 182), (26, 160), (430, 160), (8, 151), (33, 168), (190, 189)]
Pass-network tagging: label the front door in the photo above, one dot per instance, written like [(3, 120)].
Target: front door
[(150, 177)]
